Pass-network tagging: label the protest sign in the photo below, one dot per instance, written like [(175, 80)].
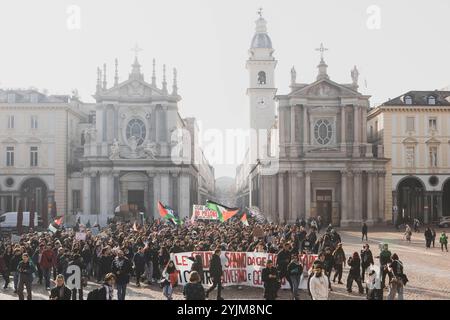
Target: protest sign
[(200, 212), (81, 236), (239, 268), (15, 238)]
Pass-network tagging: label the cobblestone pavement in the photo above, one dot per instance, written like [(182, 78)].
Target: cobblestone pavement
[(427, 270)]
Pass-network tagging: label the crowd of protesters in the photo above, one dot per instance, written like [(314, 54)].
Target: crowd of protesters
[(122, 252)]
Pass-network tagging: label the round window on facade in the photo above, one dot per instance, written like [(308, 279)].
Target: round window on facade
[(323, 131), (136, 128), (9, 182), (433, 181)]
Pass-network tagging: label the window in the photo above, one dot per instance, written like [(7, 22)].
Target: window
[(433, 155), (410, 124), (431, 100), (432, 124), (261, 77), (10, 122), (76, 200), (323, 131), (408, 100), (33, 156), (137, 129), (371, 132), (410, 156), (34, 122), (9, 156)]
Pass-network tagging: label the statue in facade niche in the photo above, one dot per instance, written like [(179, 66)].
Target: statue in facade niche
[(115, 150), (133, 144), (150, 150), (355, 75)]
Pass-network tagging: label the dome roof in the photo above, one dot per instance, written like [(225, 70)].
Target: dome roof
[(261, 40)]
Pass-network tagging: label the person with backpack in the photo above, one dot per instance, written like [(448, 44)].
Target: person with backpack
[(106, 291), (398, 278), (443, 240), (26, 269), (294, 272), (194, 290), (121, 267)]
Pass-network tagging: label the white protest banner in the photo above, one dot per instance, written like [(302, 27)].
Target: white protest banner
[(81, 236), (200, 212), (15, 238), (239, 268)]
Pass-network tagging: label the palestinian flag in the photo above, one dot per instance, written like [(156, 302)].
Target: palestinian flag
[(244, 219), (168, 213), (224, 212), (56, 224)]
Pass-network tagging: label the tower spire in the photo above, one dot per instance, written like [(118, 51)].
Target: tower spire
[(174, 86), (136, 67), (116, 73), (99, 79), (322, 65), (164, 83), (104, 76), (154, 74)]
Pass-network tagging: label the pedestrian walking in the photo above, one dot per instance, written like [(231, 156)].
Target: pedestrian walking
[(4, 269), (398, 278), (354, 262), (339, 263), (121, 267), (215, 271), (408, 233), (364, 231), (294, 271), (385, 260), (26, 269), (318, 283), (270, 278), (443, 240), (433, 235), (60, 292), (139, 265), (366, 260), (170, 279), (428, 237), (373, 285), (106, 291)]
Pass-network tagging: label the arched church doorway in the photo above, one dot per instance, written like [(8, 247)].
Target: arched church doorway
[(446, 198), (35, 190)]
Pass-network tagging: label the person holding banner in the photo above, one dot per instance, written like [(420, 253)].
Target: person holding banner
[(215, 271), (271, 280)]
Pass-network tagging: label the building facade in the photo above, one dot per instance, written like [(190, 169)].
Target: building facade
[(129, 147), (414, 129), (319, 162), (36, 134)]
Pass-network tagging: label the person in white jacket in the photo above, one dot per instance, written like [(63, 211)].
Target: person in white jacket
[(318, 284)]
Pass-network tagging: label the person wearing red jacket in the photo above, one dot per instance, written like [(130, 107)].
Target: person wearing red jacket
[(48, 261)]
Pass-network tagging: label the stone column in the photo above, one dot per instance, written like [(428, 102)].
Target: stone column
[(150, 199), (363, 119), (93, 194), (281, 204), (370, 203), (294, 142), (165, 189), (357, 207), (105, 196), (281, 132), (356, 127), (116, 191), (301, 194), (86, 193), (183, 195), (308, 193), (156, 193), (381, 213), (344, 198), (293, 197), (305, 129), (343, 128)]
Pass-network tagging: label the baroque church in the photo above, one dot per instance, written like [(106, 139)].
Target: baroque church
[(316, 160)]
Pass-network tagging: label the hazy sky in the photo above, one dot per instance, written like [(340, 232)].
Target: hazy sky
[(208, 40)]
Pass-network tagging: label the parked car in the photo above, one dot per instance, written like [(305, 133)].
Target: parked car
[(444, 222), (8, 220)]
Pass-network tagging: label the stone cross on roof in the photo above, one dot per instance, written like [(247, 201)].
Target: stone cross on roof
[(136, 50), (322, 49)]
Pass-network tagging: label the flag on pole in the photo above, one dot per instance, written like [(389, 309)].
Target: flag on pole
[(168, 213), (244, 219), (224, 212), (54, 226)]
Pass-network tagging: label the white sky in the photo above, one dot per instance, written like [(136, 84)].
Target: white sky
[(207, 40)]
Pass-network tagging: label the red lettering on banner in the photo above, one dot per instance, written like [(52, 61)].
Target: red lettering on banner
[(235, 259), (257, 278)]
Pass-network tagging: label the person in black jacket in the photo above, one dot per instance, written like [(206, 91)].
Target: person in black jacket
[(194, 289), (139, 264), (215, 271), (366, 260), (283, 259), (364, 231), (271, 279), (295, 271), (26, 269), (60, 292), (428, 237), (121, 267), (105, 262), (197, 266), (106, 291), (354, 263)]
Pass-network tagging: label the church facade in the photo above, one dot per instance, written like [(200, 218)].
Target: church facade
[(318, 161), (129, 147)]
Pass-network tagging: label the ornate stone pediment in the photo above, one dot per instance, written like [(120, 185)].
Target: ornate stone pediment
[(132, 88), (433, 140), (410, 140), (324, 88)]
